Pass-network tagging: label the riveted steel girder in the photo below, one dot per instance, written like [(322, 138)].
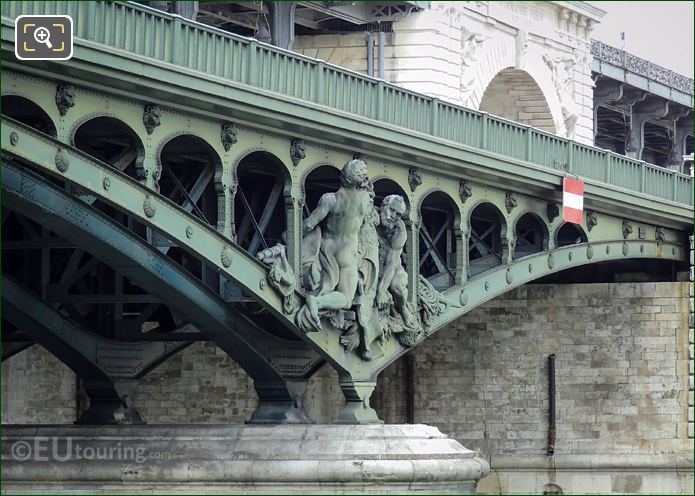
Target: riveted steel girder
[(249, 346), (118, 360), (110, 396), (232, 261)]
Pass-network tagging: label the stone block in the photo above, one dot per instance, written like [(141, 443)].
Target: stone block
[(659, 483), (521, 483), (591, 483), (623, 483)]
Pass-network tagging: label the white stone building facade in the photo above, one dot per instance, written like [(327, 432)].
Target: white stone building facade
[(526, 61)]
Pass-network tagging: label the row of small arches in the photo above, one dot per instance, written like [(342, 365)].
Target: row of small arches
[(189, 166)]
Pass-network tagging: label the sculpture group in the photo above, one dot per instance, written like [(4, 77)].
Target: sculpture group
[(352, 271)]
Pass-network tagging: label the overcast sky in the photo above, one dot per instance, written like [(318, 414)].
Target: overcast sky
[(661, 32)]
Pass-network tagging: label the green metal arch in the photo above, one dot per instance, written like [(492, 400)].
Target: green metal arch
[(458, 211), (556, 231), (245, 343), (478, 202), (84, 119), (239, 157), (23, 96), (286, 172), (543, 223), (459, 300), (234, 262)]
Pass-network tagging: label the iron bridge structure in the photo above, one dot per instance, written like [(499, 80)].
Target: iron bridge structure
[(142, 178)]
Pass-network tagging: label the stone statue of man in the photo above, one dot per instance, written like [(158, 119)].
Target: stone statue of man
[(393, 280), (330, 248)]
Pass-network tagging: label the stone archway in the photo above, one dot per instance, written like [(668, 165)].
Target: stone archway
[(498, 57), (514, 95)]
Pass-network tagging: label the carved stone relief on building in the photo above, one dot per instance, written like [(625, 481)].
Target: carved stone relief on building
[(470, 46), (561, 72)]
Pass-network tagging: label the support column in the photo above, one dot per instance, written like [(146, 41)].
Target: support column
[(282, 23), (641, 111), (691, 346), (275, 406), (412, 256), (294, 202), (187, 10), (683, 128), (110, 403), (357, 409)]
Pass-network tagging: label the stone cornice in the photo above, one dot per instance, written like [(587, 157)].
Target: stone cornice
[(583, 8)]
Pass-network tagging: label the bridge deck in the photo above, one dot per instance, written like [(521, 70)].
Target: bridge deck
[(169, 39)]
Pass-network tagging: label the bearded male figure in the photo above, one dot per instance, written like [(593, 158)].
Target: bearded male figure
[(330, 247), (393, 280)]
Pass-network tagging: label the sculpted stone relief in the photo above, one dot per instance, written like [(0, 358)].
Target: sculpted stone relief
[(470, 45), (561, 69), (353, 276)]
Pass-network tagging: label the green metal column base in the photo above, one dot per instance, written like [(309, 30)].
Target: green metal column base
[(280, 404), (279, 412), (357, 409), (110, 404), (109, 412)]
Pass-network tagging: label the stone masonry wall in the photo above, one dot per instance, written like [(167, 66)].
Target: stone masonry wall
[(621, 371), (37, 388)]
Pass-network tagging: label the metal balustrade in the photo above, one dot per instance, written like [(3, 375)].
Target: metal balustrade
[(170, 38)]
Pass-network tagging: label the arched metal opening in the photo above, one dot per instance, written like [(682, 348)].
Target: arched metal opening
[(259, 208), (657, 143), (111, 141), (188, 166), (27, 112), (531, 235), (124, 309), (503, 97), (570, 234), (440, 240), (384, 187), (323, 179), (487, 244)]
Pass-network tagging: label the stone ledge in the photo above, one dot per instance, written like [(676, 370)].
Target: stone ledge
[(374, 458), (596, 462)]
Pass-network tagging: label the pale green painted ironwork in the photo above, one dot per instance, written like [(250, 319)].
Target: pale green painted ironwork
[(136, 199), (168, 38)]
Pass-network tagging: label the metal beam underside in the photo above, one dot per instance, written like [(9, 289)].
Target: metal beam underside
[(249, 346), (78, 348), (638, 81)]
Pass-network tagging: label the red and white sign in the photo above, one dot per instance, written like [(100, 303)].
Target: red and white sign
[(572, 200)]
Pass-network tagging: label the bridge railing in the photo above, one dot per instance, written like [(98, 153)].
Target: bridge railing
[(170, 38)]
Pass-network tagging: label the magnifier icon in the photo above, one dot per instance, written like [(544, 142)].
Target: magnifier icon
[(43, 35)]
